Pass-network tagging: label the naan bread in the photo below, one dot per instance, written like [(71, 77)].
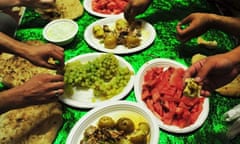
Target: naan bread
[(197, 57), (37, 124), (70, 9), (231, 89), (14, 70)]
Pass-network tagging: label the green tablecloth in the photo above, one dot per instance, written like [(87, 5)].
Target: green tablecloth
[(163, 15)]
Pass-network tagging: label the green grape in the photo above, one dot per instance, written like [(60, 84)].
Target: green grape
[(104, 75)]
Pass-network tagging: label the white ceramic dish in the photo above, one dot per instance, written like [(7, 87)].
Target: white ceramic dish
[(138, 92), (83, 98), (60, 31), (115, 110), (87, 4), (148, 36)]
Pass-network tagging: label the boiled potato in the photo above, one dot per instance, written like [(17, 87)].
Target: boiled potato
[(98, 31), (132, 41), (144, 127), (121, 25), (125, 124), (124, 141), (110, 41), (106, 122), (138, 137)]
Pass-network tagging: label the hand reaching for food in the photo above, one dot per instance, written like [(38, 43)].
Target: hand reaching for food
[(198, 23), (40, 55), (42, 88), (213, 72), (134, 8)]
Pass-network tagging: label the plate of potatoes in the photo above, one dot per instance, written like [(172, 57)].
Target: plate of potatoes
[(121, 122), (115, 35)]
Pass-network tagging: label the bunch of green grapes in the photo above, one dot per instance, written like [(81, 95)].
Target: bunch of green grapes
[(106, 90), (104, 75), (108, 66)]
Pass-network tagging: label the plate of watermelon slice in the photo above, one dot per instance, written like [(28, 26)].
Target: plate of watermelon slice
[(159, 87), (105, 8)]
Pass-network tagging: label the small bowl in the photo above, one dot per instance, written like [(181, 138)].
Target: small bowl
[(60, 31)]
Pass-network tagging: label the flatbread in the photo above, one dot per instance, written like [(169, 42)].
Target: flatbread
[(15, 71), (37, 124), (231, 89), (70, 9), (197, 57)]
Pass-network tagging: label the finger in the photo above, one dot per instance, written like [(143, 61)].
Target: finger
[(186, 20), (191, 71), (56, 88), (178, 28), (56, 78), (59, 55), (185, 34), (205, 93), (205, 70), (47, 3), (48, 65), (57, 92), (183, 39), (127, 12)]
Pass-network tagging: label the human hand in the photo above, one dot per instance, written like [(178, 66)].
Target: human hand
[(213, 72), (38, 3), (198, 23), (39, 55), (134, 8), (42, 88)]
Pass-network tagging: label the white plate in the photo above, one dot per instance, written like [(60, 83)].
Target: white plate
[(148, 36), (115, 110), (83, 98), (138, 92), (87, 4)]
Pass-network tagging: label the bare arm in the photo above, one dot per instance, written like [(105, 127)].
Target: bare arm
[(229, 25), (215, 71), (199, 23), (30, 93), (38, 55), (8, 3), (10, 45), (27, 3)]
